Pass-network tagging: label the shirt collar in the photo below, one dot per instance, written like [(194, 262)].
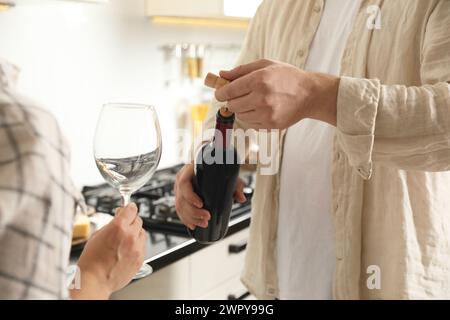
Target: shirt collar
[(9, 74)]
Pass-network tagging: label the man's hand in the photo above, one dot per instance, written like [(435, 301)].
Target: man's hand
[(112, 256), (188, 203), (272, 95)]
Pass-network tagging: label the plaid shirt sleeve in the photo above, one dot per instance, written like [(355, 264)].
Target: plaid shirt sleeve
[(37, 202)]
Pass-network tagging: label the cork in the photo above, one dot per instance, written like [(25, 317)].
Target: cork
[(214, 81), (217, 82)]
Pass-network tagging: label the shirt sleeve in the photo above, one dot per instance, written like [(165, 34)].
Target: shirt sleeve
[(37, 201), (17, 168), (403, 127)]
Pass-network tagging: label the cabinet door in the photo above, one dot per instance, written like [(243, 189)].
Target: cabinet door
[(183, 8), (232, 289), (239, 8), (169, 283), (218, 264)]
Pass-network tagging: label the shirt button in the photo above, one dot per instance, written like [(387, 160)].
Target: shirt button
[(317, 8), (301, 53)]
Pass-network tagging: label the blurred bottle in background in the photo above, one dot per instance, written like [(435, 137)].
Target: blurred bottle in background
[(186, 64)]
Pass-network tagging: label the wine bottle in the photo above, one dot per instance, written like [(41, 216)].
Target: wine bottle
[(216, 173)]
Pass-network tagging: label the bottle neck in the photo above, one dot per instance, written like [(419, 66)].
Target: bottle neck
[(224, 130)]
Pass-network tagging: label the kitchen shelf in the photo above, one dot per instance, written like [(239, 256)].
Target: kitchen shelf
[(202, 22), (208, 13)]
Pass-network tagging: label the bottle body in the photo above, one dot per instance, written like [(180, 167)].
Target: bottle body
[(216, 173)]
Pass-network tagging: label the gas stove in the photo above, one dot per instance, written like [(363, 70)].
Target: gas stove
[(156, 201)]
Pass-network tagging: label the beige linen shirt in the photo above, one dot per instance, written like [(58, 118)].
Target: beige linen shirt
[(391, 185), (37, 198)]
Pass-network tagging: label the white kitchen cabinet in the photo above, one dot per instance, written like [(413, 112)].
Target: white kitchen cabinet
[(211, 273), (38, 2), (11, 4), (171, 282), (232, 287), (183, 8), (215, 265), (203, 9)]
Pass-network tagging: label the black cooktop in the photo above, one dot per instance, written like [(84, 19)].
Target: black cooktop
[(156, 201)]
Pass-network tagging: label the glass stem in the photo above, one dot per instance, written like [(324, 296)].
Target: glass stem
[(126, 197)]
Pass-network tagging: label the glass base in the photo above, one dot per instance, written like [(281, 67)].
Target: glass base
[(144, 271)]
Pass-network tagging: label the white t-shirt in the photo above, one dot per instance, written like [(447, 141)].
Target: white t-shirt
[(305, 245)]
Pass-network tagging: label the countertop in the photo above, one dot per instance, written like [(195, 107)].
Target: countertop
[(164, 249)]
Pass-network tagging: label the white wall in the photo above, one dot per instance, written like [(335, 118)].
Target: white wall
[(75, 57)]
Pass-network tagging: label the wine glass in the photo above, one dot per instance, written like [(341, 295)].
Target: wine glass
[(127, 150)]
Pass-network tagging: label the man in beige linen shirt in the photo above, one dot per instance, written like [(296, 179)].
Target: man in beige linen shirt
[(391, 109)]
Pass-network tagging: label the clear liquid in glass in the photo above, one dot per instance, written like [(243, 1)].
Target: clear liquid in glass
[(128, 174)]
